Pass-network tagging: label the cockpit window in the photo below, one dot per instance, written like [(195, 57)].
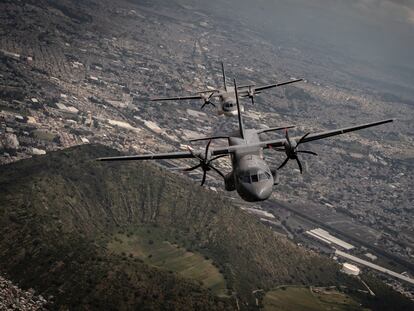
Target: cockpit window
[(264, 176), (245, 179), (254, 176)]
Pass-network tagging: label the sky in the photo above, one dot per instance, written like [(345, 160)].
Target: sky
[(376, 33)]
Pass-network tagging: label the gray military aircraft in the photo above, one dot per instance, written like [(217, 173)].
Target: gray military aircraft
[(226, 96), (250, 175)]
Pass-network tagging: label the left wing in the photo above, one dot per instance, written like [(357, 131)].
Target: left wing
[(165, 156), (321, 135), (159, 156)]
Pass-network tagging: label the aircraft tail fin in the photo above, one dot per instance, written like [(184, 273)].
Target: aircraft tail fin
[(241, 125), (224, 76)]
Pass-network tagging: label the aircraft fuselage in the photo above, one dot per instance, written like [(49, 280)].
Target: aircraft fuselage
[(228, 105), (252, 177)]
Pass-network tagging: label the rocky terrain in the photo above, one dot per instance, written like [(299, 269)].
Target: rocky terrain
[(13, 298)]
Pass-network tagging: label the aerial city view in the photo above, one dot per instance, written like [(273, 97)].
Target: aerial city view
[(206, 155)]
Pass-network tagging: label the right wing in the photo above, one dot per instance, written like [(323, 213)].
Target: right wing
[(321, 135), (344, 130)]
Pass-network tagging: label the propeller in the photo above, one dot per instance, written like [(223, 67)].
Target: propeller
[(291, 150), (205, 162), (207, 100)]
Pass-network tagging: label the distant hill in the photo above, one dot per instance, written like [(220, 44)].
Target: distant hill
[(86, 234)]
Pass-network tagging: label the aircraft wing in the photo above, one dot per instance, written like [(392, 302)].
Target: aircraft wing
[(159, 156), (322, 135), (232, 149), (165, 156), (177, 98), (269, 86)]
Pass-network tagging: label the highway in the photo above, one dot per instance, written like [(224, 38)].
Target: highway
[(409, 266)]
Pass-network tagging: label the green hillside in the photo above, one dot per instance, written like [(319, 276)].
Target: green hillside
[(151, 245), (79, 230), (309, 299)]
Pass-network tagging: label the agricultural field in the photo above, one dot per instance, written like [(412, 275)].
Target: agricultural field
[(308, 299), (149, 245)]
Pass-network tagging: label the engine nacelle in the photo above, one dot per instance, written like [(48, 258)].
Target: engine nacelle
[(275, 177)]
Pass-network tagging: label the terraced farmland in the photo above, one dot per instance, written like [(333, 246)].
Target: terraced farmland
[(150, 246), (305, 299)]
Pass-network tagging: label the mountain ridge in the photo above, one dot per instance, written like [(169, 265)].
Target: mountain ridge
[(62, 209)]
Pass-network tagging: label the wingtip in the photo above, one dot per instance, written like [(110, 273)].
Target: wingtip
[(388, 120)]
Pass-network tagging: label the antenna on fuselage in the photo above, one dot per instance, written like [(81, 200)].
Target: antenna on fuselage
[(224, 76), (241, 126)]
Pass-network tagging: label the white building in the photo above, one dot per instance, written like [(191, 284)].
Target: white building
[(350, 269)]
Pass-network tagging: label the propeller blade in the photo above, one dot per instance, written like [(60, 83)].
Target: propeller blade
[(216, 170), (308, 152), (287, 137), (202, 107), (192, 168), (212, 104), (283, 164), (207, 147), (204, 178), (302, 138), (299, 164), (252, 100)]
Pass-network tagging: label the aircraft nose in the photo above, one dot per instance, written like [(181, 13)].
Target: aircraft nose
[(262, 193), (256, 192)]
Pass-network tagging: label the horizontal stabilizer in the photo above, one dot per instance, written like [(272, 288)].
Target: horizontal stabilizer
[(209, 138), (274, 129)]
